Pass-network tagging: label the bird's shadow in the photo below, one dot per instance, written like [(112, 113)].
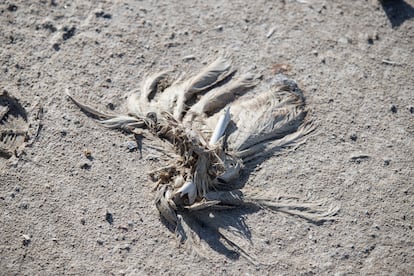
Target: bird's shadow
[(218, 229), (397, 11)]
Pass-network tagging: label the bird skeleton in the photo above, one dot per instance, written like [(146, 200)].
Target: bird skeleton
[(216, 124)]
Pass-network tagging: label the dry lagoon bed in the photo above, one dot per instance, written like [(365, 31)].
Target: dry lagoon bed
[(65, 213)]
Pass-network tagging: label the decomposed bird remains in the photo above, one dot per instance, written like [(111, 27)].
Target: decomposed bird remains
[(214, 125)]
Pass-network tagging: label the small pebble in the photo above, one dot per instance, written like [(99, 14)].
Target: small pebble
[(63, 132), (219, 28), (100, 241), (411, 109), (26, 240), (189, 57), (12, 8), (353, 137), (387, 162), (132, 146), (85, 165), (393, 109), (109, 218), (23, 205), (56, 46), (111, 106), (359, 158)]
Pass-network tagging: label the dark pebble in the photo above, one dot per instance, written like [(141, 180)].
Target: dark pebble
[(109, 218), (26, 240), (82, 221), (411, 109), (85, 165), (23, 205), (103, 15), (68, 33), (387, 162), (99, 241), (393, 109), (63, 132), (56, 47), (353, 137), (111, 106), (49, 26), (359, 158), (12, 8)]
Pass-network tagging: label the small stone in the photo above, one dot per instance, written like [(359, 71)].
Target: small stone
[(353, 137), (189, 57), (56, 46), (109, 218), (12, 8), (219, 28), (411, 109), (111, 106), (68, 32), (358, 158), (132, 146), (100, 241), (63, 132), (85, 165), (387, 162), (26, 240), (82, 221), (103, 15), (24, 205), (393, 109), (125, 247)]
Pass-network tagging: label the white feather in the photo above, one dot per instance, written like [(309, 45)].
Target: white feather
[(221, 126)]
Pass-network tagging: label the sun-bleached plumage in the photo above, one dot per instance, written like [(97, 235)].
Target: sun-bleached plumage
[(217, 124)]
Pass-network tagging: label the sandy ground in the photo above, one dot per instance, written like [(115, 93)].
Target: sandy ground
[(353, 59)]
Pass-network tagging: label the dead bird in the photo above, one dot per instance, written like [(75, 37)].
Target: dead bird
[(214, 125)]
